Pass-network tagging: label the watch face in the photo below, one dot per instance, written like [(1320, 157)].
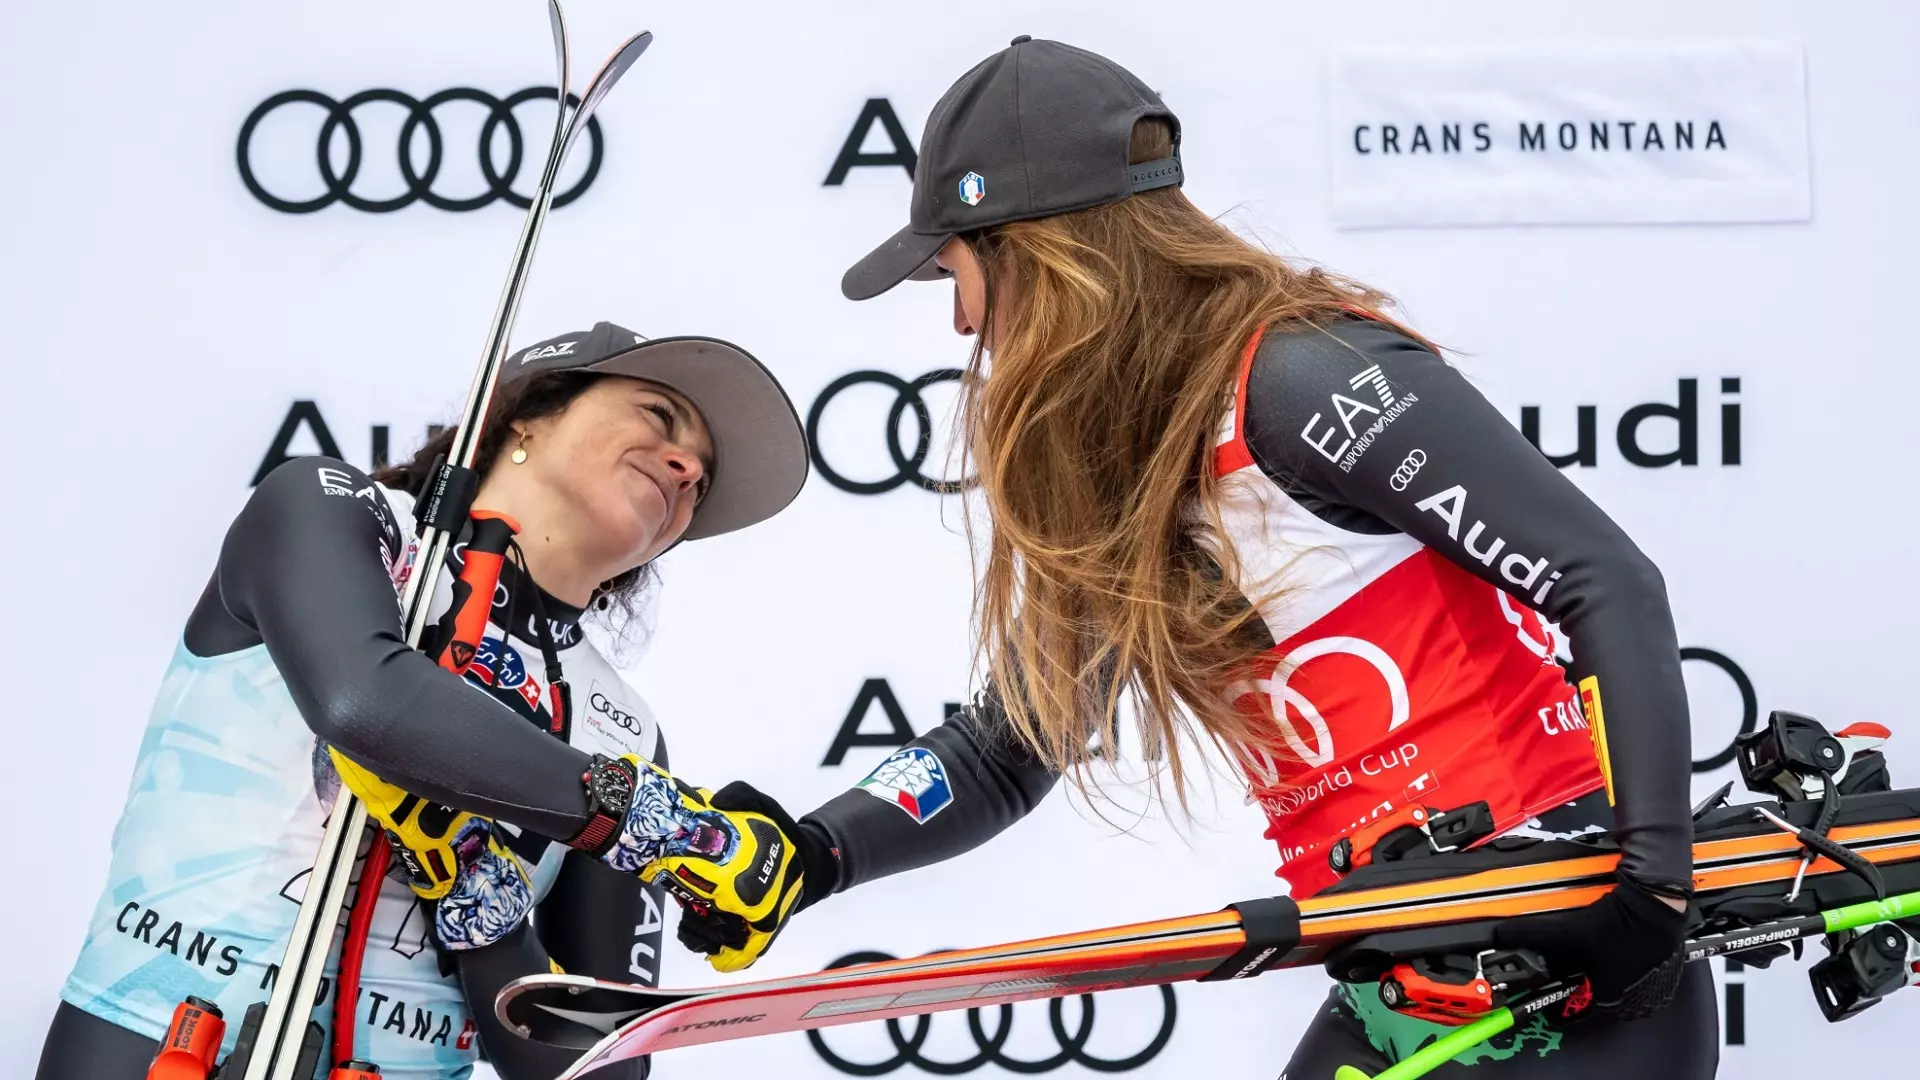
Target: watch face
[(612, 788)]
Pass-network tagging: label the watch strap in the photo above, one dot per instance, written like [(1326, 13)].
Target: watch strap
[(595, 838), (603, 827)]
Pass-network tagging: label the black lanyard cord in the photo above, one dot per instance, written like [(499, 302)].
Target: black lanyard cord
[(562, 699)]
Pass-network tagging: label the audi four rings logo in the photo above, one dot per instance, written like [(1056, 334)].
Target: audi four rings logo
[(1403, 475), (991, 1047), (906, 462), (419, 176), (615, 713)]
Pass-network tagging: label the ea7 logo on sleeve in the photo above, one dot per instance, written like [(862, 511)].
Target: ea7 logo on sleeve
[(915, 780), (1369, 383), (335, 482)]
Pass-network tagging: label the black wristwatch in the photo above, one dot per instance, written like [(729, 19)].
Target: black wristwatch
[(609, 783)]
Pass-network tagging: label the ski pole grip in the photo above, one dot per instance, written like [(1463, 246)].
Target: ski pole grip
[(192, 1042), (466, 619)]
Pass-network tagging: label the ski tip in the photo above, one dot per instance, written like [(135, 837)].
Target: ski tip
[(631, 49), (1348, 1072), (557, 21)]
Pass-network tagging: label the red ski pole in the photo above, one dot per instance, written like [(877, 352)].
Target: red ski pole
[(354, 950)]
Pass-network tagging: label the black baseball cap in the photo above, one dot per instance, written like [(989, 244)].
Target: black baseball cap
[(1036, 129), (759, 450)]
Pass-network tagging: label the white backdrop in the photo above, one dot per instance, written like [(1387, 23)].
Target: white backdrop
[(161, 322)]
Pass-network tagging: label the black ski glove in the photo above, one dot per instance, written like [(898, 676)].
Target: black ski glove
[(1627, 944), (711, 930)]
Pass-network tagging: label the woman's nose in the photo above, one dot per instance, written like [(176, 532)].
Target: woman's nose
[(686, 467), (960, 324)]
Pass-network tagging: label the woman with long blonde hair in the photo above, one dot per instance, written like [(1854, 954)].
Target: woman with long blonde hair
[(1238, 496)]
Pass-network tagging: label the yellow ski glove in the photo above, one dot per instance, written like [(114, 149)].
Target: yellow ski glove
[(729, 858), (454, 858)]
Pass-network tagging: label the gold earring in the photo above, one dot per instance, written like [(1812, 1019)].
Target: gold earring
[(520, 452)]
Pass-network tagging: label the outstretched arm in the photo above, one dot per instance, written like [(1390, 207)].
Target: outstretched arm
[(944, 793), (981, 779)]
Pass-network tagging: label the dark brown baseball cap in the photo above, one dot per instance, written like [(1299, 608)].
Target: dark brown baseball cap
[(759, 449), (1036, 129)]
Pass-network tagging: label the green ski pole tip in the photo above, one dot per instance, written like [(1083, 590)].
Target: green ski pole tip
[(1853, 916)]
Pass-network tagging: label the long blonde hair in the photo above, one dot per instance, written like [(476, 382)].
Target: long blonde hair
[(1113, 368)]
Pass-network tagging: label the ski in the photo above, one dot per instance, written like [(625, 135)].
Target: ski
[(283, 1028), (1419, 906)]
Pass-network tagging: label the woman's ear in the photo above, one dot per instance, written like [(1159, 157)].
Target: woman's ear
[(531, 429)]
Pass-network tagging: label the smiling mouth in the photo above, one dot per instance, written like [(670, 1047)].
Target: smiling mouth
[(665, 495)]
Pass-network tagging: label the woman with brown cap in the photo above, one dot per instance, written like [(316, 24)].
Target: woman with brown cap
[(1238, 495), (292, 675)]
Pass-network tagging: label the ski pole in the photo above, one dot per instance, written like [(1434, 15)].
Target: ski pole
[(1460, 1040), (1440, 1051)]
